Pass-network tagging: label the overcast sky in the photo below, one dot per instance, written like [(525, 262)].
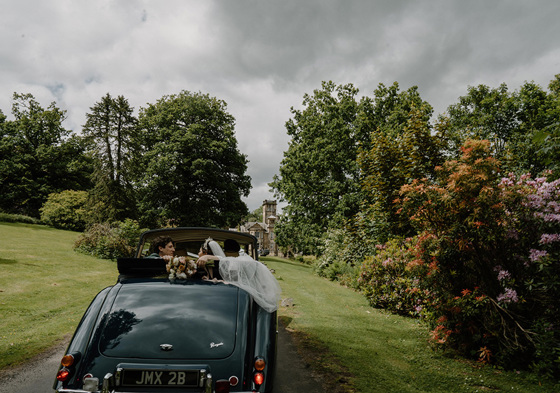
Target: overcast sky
[(262, 56)]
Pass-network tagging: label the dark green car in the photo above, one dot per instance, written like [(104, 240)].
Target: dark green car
[(153, 333)]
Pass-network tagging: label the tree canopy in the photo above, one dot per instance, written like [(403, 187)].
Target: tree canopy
[(192, 171), (38, 156)]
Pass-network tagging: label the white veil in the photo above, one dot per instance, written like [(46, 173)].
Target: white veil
[(250, 275)]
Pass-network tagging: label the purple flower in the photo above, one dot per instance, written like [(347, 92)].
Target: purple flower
[(509, 296), (547, 238), (535, 255), (503, 274)]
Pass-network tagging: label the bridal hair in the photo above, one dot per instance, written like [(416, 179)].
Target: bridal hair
[(206, 246)]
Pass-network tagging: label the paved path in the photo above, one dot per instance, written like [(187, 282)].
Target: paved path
[(38, 375)]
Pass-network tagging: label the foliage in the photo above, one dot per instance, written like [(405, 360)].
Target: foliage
[(318, 176), (254, 216), (7, 217), (193, 173), (38, 157), (110, 130), (110, 241), (66, 210), (393, 157), (520, 125), (387, 280), (489, 260), (547, 138)]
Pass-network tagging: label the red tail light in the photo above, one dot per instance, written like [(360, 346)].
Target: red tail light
[(63, 374), (258, 378), (222, 386)]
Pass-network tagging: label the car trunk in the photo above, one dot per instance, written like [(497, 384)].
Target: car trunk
[(147, 321)]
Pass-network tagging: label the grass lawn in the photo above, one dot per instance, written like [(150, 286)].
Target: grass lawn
[(367, 350), (45, 288)]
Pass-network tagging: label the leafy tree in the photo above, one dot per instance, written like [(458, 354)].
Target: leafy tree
[(254, 216), (547, 137), (516, 124), (193, 173), (401, 149), (319, 177), (38, 157), (110, 129)]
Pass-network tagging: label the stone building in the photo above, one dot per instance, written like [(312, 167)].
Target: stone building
[(264, 231)]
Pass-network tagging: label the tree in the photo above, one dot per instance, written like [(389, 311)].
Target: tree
[(319, 177), (516, 123), (547, 137), (194, 174), (401, 148), (38, 157), (110, 128)]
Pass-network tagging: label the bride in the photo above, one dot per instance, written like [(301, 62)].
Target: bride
[(245, 273)]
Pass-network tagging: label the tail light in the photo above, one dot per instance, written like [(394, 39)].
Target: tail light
[(258, 378), (259, 364), (67, 360), (63, 374), (222, 386)]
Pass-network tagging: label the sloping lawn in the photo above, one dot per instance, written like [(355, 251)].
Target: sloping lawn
[(362, 349), (45, 288)]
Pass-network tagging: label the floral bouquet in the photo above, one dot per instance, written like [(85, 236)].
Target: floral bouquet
[(180, 267)]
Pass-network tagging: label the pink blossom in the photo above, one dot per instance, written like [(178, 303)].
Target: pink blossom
[(509, 296), (547, 238), (535, 255), (503, 274)]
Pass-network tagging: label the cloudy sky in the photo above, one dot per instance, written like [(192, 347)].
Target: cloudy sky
[(262, 56)]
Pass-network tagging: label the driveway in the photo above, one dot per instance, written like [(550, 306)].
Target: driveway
[(37, 376)]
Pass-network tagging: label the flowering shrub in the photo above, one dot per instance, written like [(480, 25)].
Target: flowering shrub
[(389, 279), (489, 263)]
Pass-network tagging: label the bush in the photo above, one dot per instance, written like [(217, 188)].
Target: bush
[(110, 241), (489, 261), (6, 217), (65, 210), (341, 254), (389, 282)]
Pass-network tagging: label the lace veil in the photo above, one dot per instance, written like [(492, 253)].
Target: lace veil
[(251, 276)]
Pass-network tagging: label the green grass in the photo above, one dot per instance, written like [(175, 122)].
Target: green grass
[(362, 349), (44, 288)]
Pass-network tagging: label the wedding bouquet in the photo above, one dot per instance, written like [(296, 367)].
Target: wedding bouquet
[(180, 267)]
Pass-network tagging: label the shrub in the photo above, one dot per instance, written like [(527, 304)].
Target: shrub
[(341, 256), (7, 217), (490, 260), (390, 280), (110, 241), (65, 210)]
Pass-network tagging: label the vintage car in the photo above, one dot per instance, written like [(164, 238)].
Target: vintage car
[(151, 333)]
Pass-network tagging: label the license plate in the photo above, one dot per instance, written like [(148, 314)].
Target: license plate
[(170, 378)]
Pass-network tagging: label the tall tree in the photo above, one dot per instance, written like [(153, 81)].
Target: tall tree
[(193, 173), (511, 121), (38, 156), (110, 128), (319, 177)]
